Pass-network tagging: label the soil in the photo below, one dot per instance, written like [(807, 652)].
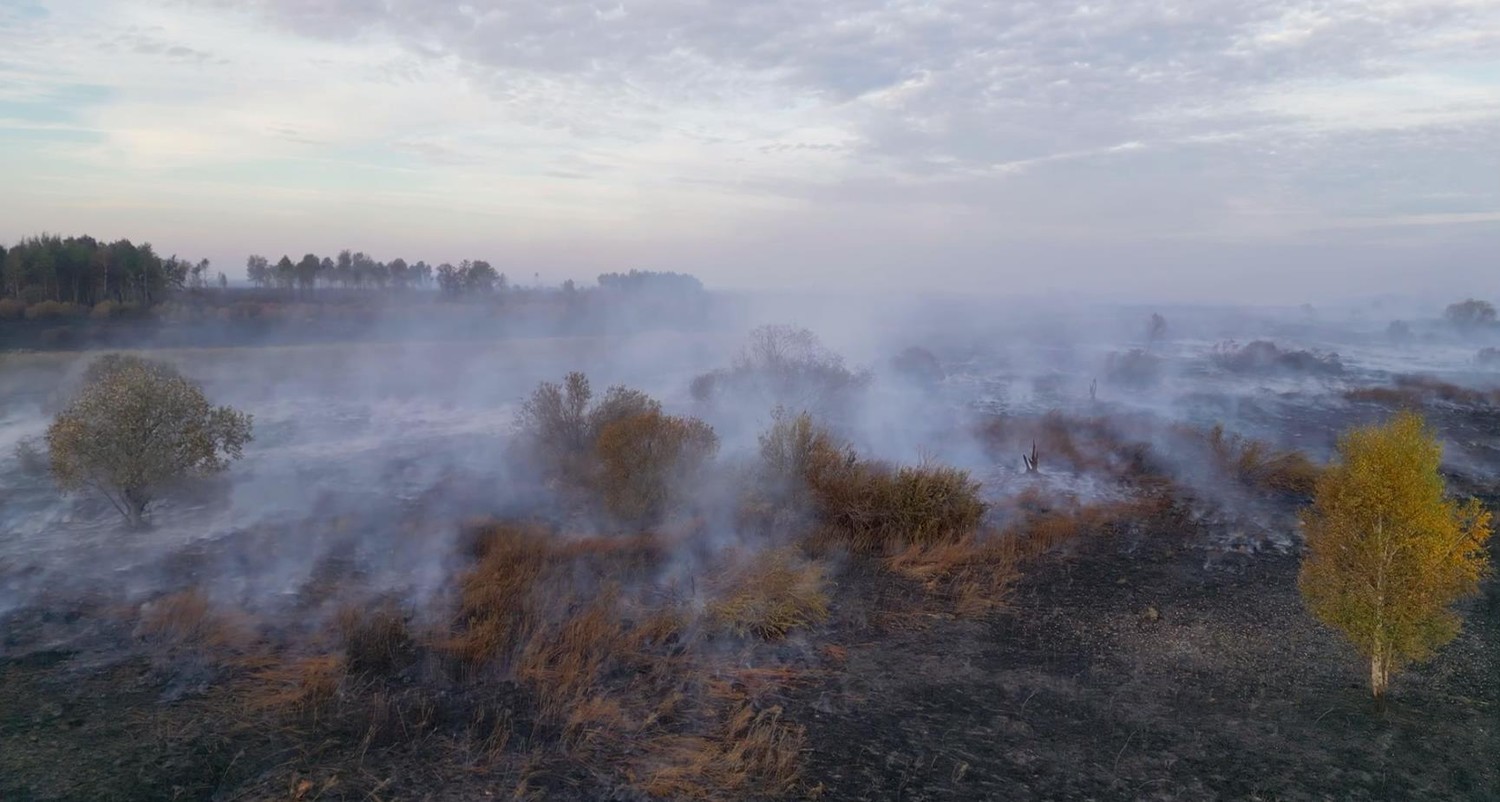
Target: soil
[(1141, 670), (1142, 667)]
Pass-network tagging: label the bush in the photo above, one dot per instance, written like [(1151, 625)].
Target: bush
[(784, 365), (1257, 465), (11, 309), (1263, 356), (621, 452), (865, 505), (646, 459), (919, 364), (104, 310), (562, 427)]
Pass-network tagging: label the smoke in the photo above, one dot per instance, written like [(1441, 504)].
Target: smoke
[(368, 454)]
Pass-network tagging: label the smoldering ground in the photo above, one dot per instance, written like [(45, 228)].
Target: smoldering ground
[(373, 464)]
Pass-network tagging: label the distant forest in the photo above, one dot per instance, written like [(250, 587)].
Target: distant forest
[(85, 271), (64, 292)]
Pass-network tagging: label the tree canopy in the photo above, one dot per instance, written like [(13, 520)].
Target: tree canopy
[(137, 425), (1388, 553)]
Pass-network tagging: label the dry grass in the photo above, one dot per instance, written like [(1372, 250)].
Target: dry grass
[(1078, 445), (975, 574), (871, 508), (1415, 392), (863, 505), (1256, 464), (770, 595), (376, 641), (187, 623), (753, 754), (300, 687)]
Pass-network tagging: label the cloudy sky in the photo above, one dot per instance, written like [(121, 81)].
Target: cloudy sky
[(1272, 151)]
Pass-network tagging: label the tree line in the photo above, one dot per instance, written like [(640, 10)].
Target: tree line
[(86, 272)]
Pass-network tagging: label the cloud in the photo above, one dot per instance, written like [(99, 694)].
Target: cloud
[(1127, 121)]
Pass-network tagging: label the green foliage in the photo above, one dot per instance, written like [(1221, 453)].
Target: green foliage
[(1387, 552), (84, 271), (136, 426)]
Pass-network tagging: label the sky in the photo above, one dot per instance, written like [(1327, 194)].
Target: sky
[(1189, 150)]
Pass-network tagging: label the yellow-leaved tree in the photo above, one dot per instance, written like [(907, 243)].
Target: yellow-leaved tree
[(1388, 552)]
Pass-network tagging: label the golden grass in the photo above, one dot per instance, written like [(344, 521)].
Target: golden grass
[(770, 595), (1255, 464), (302, 686), (753, 754), (187, 622)]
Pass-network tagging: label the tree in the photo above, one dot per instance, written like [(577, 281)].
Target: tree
[(136, 426), (286, 273), (307, 272), (1469, 315), (258, 270), (479, 277), (1388, 553)]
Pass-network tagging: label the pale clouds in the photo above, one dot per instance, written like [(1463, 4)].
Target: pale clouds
[(777, 141)]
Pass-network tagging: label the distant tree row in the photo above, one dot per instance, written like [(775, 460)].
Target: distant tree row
[(350, 270), (85, 271)]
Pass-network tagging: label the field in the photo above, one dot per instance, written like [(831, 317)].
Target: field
[(391, 597)]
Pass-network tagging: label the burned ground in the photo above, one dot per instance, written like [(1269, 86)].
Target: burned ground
[(1122, 624)]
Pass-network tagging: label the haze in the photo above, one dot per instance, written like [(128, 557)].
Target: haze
[(1274, 152)]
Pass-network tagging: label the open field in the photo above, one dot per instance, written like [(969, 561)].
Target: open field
[(390, 596)]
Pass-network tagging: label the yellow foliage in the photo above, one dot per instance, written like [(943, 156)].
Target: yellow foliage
[(1387, 551)]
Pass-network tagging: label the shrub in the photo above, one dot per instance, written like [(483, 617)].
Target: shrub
[(1262, 356), (11, 309), (562, 426), (919, 364), (862, 504), (104, 310), (33, 461), (1256, 464), (1469, 315), (784, 365), (646, 459)]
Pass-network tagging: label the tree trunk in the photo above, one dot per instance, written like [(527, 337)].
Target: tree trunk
[(1380, 677)]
